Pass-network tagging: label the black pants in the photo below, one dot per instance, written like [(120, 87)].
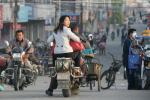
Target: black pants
[(133, 81), (74, 55), (130, 79)]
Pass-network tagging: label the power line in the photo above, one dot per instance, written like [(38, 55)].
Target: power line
[(92, 2), (21, 1)]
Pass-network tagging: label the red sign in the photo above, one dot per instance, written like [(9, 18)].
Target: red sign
[(18, 26), (1, 16), (74, 18)]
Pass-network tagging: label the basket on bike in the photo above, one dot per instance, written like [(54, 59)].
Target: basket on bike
[(93, 68)]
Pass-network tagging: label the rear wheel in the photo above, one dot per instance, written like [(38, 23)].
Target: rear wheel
[(75, 91), (107, 79), (99, 82), (91, 87), (66, 92), (147, 80), (147, 86)]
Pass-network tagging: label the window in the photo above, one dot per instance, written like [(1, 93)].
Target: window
[(38, 1), (29, 1), (3, 1)]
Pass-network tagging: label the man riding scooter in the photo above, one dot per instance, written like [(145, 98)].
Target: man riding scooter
[(21, 42)]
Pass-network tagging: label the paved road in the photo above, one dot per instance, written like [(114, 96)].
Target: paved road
[(117, 92), (37, 92), (139, 27)]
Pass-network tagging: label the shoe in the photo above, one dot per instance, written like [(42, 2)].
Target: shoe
[(49, 93), (21, 88), (11, 82), (83, 84), (1, 87)]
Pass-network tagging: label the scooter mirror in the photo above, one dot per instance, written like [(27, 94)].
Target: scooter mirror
[(30, 43), (7, 43)]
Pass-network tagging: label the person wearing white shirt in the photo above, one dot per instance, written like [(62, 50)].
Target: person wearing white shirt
[(62, 36)]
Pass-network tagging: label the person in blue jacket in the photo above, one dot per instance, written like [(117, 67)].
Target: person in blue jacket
[(127, 43)]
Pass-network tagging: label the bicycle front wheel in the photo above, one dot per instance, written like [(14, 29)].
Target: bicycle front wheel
[(107, 79)]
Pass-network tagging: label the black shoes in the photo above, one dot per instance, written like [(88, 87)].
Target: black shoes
[(49, 93)]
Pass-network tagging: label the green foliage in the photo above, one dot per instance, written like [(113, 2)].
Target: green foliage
[(117, 12)]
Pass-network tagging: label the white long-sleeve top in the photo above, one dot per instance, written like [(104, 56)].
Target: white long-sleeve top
[(62, 39)]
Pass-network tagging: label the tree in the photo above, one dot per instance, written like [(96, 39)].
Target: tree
[(117, 15)]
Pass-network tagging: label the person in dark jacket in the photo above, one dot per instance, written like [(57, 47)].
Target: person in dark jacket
[(126, 46), (84, 40)]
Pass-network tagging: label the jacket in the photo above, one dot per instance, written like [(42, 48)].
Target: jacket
[(24, 44), (62, 39), (126, 47)]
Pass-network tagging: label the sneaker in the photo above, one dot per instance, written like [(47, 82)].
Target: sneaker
[(49, 93), (1, 87), (83, 85), (21, 88)]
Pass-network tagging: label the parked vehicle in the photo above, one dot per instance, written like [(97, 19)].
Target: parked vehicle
[(92, 69), (108, 76), (145, 67)]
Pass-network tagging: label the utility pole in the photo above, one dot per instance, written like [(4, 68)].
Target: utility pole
[(15, 16), (59, 15), (81, 17)]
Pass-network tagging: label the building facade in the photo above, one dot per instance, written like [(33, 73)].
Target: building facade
[(35, 17)]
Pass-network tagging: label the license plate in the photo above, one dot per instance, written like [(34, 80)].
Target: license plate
[(63, 76), (16, 55)]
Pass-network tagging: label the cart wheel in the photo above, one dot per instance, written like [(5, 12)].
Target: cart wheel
[(91, 88), (99, 81), (99, 86)]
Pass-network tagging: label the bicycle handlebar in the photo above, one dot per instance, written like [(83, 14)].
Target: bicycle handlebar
[(113, 57)]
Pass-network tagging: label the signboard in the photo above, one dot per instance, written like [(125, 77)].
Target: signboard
[(75, 18), (29, 7), (23, 14), (1, 16)]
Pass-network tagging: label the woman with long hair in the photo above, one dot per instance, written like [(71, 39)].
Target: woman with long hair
[(62, 36)]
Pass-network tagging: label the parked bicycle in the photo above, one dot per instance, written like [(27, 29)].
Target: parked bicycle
[(108, 76)]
